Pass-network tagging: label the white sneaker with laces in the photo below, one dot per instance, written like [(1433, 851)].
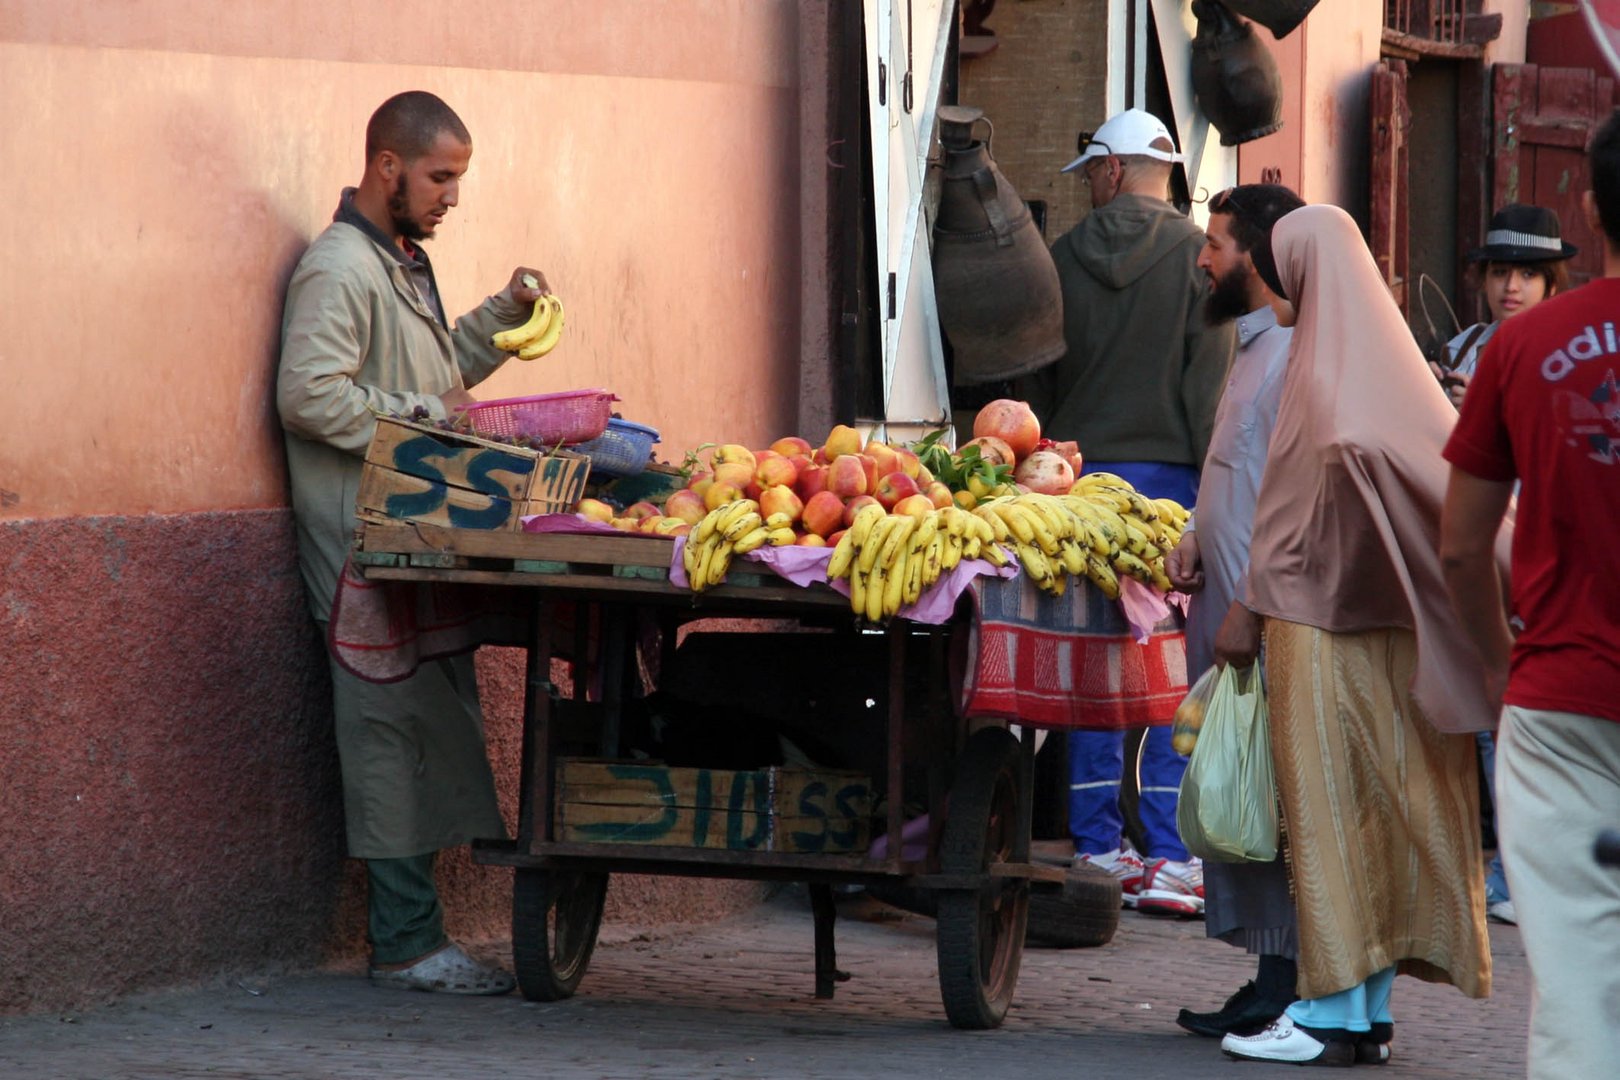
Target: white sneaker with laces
[(1172, 888), (1124, 864)]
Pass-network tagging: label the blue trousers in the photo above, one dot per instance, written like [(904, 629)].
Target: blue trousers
[(1096, 770), (1097, 758), (1355, 1009)]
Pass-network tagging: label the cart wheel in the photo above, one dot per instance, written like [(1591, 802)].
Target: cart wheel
[(981, 933), (555, 916)]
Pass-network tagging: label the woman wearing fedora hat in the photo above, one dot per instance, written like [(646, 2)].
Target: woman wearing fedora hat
[(1521, 264)]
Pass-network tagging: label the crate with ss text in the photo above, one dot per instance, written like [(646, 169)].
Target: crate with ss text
[(418, 472)]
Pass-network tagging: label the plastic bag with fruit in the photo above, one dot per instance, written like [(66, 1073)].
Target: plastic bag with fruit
[(1227, 811)]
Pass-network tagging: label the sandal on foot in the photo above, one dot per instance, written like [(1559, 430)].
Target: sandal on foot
[(448, 971)]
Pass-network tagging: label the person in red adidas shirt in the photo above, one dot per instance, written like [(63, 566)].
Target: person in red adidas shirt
[(1544, 409)]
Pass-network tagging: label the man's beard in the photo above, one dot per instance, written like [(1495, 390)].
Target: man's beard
[(398, 209), (1229, 297)]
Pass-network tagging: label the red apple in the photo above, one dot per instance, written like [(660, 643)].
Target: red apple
[(918, 505), (810, 540), (640, 511), (842, 440), (910, 463), (869, 463), (818, 456), (854, 505), (594, 510), (846, 476), (894, 487), (810, 481), (883, 454), (733, 472), (832, 541), (780, 499), (719, 494), (824, 513), (686, 505), (775, 470), (941, 494), (733, 452), (789, 445)]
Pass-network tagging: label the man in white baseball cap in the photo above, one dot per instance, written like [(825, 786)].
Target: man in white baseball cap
[(1137, 389)]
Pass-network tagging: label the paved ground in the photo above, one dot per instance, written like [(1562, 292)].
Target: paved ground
[(735, 1000)]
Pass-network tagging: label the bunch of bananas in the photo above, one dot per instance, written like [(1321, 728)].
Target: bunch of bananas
[(539, 335), (890, 559), (733, 528), (1103, 528)]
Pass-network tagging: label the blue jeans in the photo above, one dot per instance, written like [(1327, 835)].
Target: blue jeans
[(1496, 886), (1155, 479)]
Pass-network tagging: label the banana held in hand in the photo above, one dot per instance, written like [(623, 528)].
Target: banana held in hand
[(548, 340), (519, 336)]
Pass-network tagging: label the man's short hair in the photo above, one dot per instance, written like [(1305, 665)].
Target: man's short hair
[(1605, 158), (410, 123), (1254, 209)]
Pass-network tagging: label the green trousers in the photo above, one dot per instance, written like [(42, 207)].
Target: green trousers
[(405, 920)]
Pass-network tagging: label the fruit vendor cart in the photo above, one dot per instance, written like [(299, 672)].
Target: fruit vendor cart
[(977, 859)]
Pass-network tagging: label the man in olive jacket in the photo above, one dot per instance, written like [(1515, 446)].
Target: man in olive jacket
[(1137, 389), (364, 331)]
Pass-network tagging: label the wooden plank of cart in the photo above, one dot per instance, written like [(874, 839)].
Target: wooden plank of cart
[(978, 859)]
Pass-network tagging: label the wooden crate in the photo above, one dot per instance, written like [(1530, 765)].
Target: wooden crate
[(775, 809), (416, 472)]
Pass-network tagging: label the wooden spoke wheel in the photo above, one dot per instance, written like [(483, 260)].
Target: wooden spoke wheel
[(555, 917), (981, 932)]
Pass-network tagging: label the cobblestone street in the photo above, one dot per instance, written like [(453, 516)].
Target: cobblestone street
[(735, 1000)]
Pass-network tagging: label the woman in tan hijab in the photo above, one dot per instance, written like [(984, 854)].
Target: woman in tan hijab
[(1373, 685)]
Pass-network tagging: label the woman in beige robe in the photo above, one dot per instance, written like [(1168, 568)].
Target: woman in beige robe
[(1374, 688)]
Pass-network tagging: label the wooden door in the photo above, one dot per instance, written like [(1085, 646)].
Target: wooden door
[(1542, 118), (1387, 232)]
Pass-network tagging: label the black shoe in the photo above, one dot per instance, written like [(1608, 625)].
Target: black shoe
[(1372, 1047), (1244, 1012)]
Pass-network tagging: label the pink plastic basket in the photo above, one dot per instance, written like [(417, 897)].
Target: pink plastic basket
[(573, 416)]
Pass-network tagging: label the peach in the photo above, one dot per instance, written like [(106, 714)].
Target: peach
[(846, 476), (818, 456), (882, 453), (854, 505), (774, 471), (824, 513), (810, 481), (842, 440), (594, 510), (685, 505), (940, 493), (733, 452), (810, 540), (789, 445), (780, 499), (719, 494), (894, 487), (918, 506)]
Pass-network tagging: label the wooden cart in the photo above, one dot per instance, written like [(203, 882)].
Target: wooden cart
[(978, 863)]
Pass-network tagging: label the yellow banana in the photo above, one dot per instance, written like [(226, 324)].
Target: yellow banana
[(1107, 479), (875, 586), (548, 340), (916, 562), (994, 554), (730, 513), (894, 541), (934, 558), (1143, 507), (1046, 538), (719, 564), (867, 556), (779, 520), (857, 591), (1018, 521), (744, 524), (861, 527), (986, 515), (1126, 563), (781, 537), (750, 540), (516, 338), (973, 548), (950, 553), (843, 556), (1102, 575), (689, 557), (1074, 557), (700, 578)]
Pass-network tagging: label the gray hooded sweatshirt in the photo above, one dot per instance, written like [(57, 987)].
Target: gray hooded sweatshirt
[(1143, 373)]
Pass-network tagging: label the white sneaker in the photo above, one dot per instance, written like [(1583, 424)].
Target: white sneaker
[(1172, 888), (1502, 911), (1124, 864)]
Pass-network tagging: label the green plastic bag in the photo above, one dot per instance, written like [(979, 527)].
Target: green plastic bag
[(1227, 810)]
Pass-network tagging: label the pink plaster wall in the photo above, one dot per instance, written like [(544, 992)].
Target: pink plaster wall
[(169, 802)]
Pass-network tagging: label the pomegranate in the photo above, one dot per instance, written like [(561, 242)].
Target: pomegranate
[(1013, 422), (1046, 472), (992, 450)]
